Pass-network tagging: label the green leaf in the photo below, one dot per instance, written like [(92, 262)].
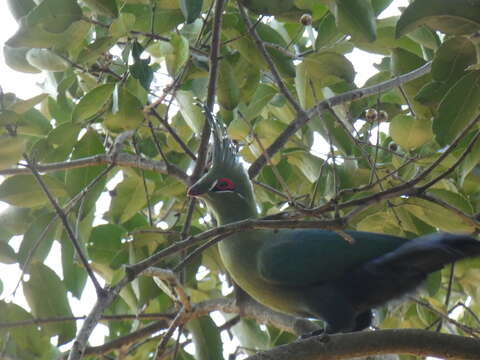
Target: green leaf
[(22, 106), (45, 59), (129, 198), (44, 25), (90, 144), (16, 220), (37, 240), (452, 58), (47, 297), (356, 17), (74, 274), (409, 132), (433, 283), (437, 216), (103, 7), (471, 160), (20, 8), (206, 337), (260, 99), (190, 111), (30, 342), (455, 199), (238, 129), (77, 179), (451, 17), (105, 245), (164, 19), (178, 57), (128, 115), (269, 7), (327, 31), (74, 39), (142, 72), (55, 15), (449, 64), (191, 9), (329, 68), (33, 123), (458, 108), (123, 25), (307, 163), (228, 92), (91, 52), (386, 40), (404, 61), (11, 150), (24, 191), (92, 103), (251, 335), (15, 58)]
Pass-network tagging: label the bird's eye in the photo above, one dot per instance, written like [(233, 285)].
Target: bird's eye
[(223, 184)]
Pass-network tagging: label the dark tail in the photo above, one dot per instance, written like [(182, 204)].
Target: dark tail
[(429, 253), (404, 269)]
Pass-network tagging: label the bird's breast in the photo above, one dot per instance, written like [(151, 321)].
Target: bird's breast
[(239, 254)]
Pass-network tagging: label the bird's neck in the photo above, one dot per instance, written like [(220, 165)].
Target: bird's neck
[(233, 207), (235, 212)]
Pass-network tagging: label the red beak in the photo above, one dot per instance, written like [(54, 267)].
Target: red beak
[(193, 192)]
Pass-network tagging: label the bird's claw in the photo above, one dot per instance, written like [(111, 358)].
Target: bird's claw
[(321, 333)]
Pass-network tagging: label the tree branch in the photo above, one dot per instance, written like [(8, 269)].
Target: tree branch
[(303, 118), (122, 159), (382, 342), (250, 309)]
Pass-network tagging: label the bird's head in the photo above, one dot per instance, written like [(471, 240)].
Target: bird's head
[(226, 187)]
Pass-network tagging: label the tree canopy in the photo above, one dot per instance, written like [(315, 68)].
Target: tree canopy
[(99, 163)]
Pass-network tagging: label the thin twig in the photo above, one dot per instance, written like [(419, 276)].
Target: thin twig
[(63, 217), (473, 332), (174, 135), (169, 277), (166, 337), (271, 65)]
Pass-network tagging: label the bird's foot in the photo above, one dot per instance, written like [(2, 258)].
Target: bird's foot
[(321, 333)]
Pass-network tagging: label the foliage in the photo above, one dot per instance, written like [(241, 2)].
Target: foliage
[(118, 131)]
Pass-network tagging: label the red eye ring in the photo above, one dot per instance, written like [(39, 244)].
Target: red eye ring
[(224, 184)]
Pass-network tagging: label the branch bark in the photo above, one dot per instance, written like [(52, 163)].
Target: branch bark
[(121, 159), (382, 342)]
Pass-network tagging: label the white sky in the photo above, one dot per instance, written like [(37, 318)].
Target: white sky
[(24, 86)]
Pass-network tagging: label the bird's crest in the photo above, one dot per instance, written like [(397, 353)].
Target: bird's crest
[(224, 151)]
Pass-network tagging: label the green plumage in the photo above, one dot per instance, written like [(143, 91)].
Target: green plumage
[(317, 273)]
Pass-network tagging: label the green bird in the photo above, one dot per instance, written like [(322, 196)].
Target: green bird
[(316, 273)]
